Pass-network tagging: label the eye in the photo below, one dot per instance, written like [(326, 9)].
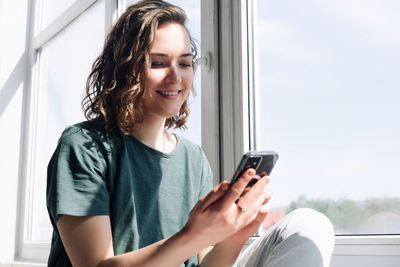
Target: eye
[(157, 64), (186, 64)]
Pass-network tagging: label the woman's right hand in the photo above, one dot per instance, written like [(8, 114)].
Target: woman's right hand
[(217, 215)]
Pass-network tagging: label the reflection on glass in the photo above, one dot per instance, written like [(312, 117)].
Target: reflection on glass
[(65, 64), (327, 101)]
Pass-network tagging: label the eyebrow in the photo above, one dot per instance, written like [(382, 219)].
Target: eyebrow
[(165, 55)]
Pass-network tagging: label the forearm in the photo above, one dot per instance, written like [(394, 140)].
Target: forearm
[(171, 251), (223, 254)]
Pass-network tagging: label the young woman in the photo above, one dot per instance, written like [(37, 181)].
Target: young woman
[(123, 191)]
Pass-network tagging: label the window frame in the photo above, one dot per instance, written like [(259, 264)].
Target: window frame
[(25, 250), (210, 136), (236, 126), (233, 84)]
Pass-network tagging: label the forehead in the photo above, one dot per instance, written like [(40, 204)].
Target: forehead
[(171, 38)]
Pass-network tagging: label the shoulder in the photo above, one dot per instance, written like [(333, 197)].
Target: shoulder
[(190, 146), (89, 135), (83, 130), (193, 152)]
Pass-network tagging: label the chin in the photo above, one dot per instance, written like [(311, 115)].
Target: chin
[(172, 113)]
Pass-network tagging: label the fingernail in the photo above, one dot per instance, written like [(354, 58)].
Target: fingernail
[(251, 172), (224, 187)]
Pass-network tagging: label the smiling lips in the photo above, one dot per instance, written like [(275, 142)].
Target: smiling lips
[(169, 93)]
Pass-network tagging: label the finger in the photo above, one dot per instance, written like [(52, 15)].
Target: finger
[(236, 189), (261, 215), (214, 195), (264, 210), (267, 195), (256, 195), (253, 225)]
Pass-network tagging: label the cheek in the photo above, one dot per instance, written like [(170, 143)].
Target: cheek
[(189, 77), (154, 77)]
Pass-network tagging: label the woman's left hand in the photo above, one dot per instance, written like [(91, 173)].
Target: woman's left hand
[(254, 199), (240, 237)]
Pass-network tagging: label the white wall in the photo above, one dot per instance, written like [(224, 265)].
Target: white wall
[(13, 80)]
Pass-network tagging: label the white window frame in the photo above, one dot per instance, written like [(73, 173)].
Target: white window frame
[(234, 84), (237, 106), (210, 136), (225, 105), (27, 252)]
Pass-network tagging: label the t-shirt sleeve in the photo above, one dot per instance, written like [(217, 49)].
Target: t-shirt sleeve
[(207, 181), (76, 183)]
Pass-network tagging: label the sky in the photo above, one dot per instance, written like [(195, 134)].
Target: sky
[(328, 97)]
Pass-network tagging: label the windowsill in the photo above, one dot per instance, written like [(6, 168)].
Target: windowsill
[(25, 264), (368, 245)]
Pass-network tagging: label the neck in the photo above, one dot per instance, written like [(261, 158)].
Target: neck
[(153, 134)]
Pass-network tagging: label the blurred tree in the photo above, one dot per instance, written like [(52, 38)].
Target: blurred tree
[(347, 215)]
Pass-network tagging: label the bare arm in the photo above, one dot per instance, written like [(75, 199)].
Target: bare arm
[(88, 242), (87, 239)]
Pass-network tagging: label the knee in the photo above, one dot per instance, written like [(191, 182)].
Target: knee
[(312, 224), (310, 217)]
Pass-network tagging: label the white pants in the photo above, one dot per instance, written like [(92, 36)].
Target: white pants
[(303, 238)]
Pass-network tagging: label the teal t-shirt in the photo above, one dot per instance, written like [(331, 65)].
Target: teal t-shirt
[(147, 194)]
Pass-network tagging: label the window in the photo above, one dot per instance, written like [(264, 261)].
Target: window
[(65, 63), (51, 9), (327, 101), (64, 54), (245, 114)]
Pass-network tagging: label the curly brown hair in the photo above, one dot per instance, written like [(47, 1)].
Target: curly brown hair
[(115, 85)]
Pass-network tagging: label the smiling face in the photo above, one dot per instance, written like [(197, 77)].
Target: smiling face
[(169, 77)]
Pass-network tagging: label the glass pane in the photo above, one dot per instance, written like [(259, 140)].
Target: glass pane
[(193, 131), (328, 102), (192, 9), (51, 9), (65, 63)]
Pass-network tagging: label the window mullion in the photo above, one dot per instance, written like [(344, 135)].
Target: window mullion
[(24, 248), (210, 84), (234, 84), (111, 14)]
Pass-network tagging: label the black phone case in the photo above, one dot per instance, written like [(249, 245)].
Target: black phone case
[(265, 167)]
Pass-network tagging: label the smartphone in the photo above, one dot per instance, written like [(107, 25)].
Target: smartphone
[(262, 161)]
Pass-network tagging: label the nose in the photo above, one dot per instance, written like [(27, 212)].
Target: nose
[(173, 75)]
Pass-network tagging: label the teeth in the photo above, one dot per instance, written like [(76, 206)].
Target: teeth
[(169, 93)]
